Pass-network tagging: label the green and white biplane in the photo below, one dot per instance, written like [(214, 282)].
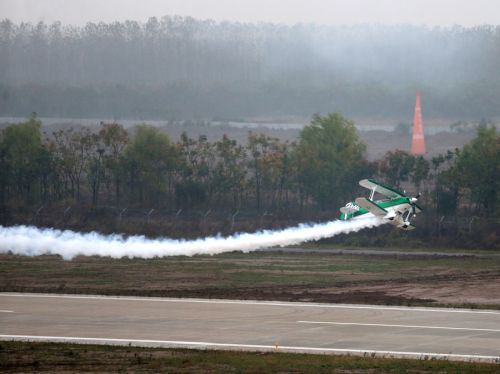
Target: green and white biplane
[(395, 207)]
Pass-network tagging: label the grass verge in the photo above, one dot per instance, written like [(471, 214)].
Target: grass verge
[(417, 280), (17, 357)]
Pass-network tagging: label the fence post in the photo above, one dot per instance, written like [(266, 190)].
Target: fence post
[(203, 222), (233, 218), (262, 217), (35, 216), (149, 215), (439, 225), (66, 211), (121, 214), (206, 215), (470, 223), (178, 213), (63, 218)]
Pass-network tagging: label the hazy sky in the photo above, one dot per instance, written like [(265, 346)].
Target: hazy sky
[(430, 12)]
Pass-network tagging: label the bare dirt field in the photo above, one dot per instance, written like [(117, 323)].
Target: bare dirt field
[(378, 141), (470, 280)]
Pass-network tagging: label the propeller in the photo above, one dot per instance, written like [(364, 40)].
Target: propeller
[(413, 204)]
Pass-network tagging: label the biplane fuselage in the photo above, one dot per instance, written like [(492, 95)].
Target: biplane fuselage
[(395, 208)]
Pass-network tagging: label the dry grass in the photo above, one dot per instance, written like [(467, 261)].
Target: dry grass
[(322, 277), (21, 357)]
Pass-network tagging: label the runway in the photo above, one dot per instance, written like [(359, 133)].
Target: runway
[(455, 334)]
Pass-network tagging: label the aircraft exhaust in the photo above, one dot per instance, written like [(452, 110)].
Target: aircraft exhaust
[(33, 241)]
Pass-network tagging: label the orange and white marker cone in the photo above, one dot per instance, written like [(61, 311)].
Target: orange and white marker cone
[(418, 140)]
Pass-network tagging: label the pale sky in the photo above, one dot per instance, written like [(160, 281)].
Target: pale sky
[(330, 12)]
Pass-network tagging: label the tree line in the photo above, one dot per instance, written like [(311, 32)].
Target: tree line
[(144, 168), (183, 68)]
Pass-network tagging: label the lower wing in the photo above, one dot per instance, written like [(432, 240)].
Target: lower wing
[(371, 206)]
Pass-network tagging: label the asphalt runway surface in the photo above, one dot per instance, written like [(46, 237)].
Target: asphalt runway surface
[(386, 331)]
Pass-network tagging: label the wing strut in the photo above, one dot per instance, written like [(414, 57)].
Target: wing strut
[(372, 193)]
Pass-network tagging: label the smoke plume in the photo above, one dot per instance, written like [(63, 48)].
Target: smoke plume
[(33, 241)]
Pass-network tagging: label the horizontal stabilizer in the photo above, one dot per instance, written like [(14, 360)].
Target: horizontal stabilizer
[(371, 206), (348, 210)]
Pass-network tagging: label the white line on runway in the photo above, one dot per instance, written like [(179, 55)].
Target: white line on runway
[(73, 339), (404, 326), (6, 311), (255, 302)]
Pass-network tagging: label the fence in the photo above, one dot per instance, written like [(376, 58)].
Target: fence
[(156, 221), (189, 223)]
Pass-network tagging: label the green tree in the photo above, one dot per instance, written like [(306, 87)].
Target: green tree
[(420, 171), (447, 188), (94, 163), (478, 169), (330, 159), (229, 172), (4, 171), (197, 168), (397, 167), (269, 168), (114, 138), (150, 160), (24, 160), (70, 150)]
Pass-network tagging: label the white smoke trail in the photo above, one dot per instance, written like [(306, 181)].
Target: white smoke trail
[(32, 241)]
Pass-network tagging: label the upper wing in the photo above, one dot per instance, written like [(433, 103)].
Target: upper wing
[(389, 192), (371, 206)]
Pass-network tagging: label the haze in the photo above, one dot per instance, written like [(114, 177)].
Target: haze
[(181, 60), (330, 12)]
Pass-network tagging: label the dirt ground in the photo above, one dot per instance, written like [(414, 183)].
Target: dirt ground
[(454, 289), (378, 142), (479, 289), (462, 280)]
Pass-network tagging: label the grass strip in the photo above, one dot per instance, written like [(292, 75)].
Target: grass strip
[(17, 357)]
